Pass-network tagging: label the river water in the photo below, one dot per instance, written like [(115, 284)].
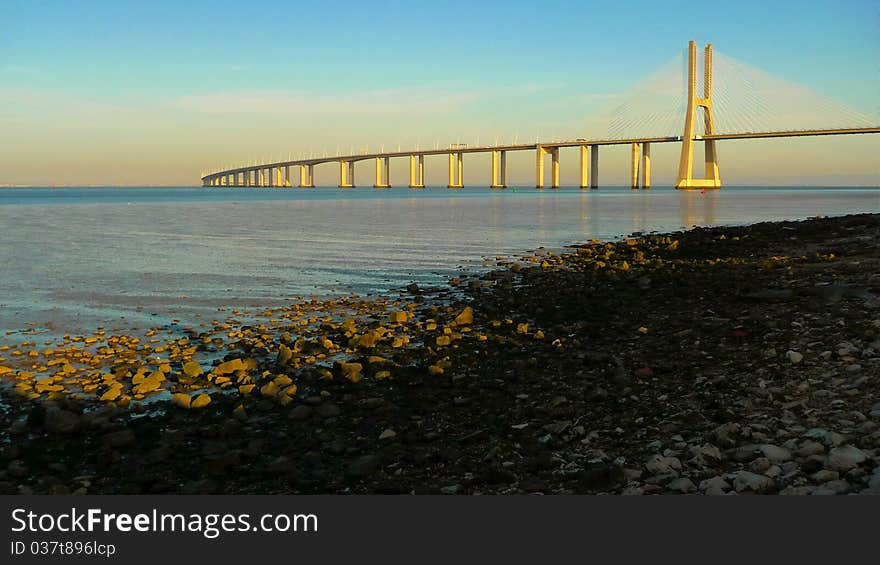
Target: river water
[(74, 258)]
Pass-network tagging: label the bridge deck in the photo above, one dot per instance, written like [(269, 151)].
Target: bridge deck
[(533, 146)]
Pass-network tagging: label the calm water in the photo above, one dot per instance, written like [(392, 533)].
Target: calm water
[(80, 257)]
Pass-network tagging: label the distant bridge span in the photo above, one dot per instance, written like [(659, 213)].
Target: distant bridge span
[(278, 174)]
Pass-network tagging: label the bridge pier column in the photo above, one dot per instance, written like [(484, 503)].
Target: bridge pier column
[(287, 176), (417, 171), (345, 174), (261, 177), (383, 164), (594, 166), (540, 152), (584, 153), (499, 162), (646, 165), (554, 168), (306, 176), (635, 166), (539, 166), (456, 173)]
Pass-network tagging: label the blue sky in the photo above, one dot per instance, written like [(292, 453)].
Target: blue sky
[(102, 91)]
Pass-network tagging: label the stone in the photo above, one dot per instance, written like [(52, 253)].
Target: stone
[(328, 410), (201, 486), (826, 437), (181, 400), (60, 421), (794, 357), (192, 369), (201, 401), (760, 465), (825, 475), (388, 433), (122, 438), (746, 453), (661, 465), (466, 317), (747, 481), (810, 447), (775, 453), (683, 485), (845, 458), (714, 486), (17, 469), (726, 434), (451, 489), (363, 466), (300, 412)]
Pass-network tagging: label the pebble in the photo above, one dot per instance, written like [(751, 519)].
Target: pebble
[(715, 486), (61, 421), (775, 453), (747, 481), (328, 410), (682, 485), (794, 357), (845, 458), (363, 466), (388, 433), (661, 465)]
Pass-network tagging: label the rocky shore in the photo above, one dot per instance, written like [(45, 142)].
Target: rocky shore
[(734, 360)]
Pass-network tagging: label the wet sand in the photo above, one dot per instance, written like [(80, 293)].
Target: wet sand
[(718, 360)]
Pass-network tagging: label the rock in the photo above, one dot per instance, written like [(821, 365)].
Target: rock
[(828, 438), (760, 465), (794, 357), (797, 491), (709, 453), (810, 447), (363, 466), (182, 400), (660, 465), (745, 453), (201, 401), (845, 458), (451, 489), (328, 410), (747, 481), (388, 433), (726, 434), (825, 475), (683, 485), (714, 486), (192, 369), (281, 465), (300, 412), (17, 469), (775, 453), (60, 421), (201, 486), (466, 317), (122, 438)]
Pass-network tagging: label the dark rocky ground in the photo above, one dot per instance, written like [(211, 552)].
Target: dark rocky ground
[(737, 360)]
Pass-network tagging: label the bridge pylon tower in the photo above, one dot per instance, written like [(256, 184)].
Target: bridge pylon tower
[(686, 178)]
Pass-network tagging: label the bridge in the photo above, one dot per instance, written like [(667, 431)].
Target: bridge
[(278, 174)]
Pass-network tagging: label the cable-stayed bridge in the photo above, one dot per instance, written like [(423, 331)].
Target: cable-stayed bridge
[(729, 100)]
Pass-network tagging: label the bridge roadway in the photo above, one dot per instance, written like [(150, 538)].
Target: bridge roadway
[(229, 177)]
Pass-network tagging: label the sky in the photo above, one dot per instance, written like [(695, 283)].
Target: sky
[(156, 92)]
